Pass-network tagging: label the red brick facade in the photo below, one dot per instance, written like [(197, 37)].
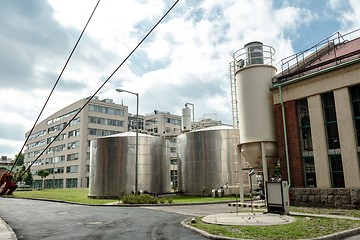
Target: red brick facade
[(294, 144)]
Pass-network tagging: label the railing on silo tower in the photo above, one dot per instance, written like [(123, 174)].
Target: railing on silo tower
[(254, 53)]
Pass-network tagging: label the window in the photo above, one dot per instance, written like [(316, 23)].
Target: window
[(72, 157), (101, 132), (172, 121), (355, 100), (75, 122), (108, 110), (56, 128), (74, 133), (174, 178), (56, 148), (59, 138), (105, 121), (306, 143), (309, 171), (336, 171), (71, 183), (72, 169), (304, 124), (56, 170), (37, 134), (332, 132), (173, 161), (73, 145), (63, 116)]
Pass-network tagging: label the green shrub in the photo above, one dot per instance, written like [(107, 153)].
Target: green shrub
[(139, 199)]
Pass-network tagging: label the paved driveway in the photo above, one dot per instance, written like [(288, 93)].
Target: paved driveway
[(31, 219)]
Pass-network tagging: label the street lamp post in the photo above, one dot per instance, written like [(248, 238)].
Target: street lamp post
[(137, 137)]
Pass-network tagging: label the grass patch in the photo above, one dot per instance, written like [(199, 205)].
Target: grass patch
[(76, 195), (79, 195), (302, 228), (199, 199), (331, 211)]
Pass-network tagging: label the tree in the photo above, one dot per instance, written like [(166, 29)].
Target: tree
[(20, 159), (43, 174), (26, 177)]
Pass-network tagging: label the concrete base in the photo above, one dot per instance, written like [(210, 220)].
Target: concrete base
[(250, 219)]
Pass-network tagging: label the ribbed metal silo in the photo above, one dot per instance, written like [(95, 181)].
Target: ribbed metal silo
[(112, 165), (206, 160)]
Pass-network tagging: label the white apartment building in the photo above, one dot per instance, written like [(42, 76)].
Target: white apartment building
[(166, 125), (68, 158)]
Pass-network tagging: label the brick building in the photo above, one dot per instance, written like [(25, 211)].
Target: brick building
[(317, 114)]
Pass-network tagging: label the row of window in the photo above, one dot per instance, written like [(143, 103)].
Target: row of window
[(57, 183), (172, 120), (101, 132), (62, 117), (332, 136), (37, 134), (108, 110), (59, 170), (105, 121), (56, 159), (61, 137)]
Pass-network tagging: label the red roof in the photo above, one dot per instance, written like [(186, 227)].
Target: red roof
[(327, 53)]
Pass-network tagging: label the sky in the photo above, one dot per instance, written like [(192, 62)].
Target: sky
[(185, 59)]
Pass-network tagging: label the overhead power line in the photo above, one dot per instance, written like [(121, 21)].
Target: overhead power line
[(101, 86), (56, 83)]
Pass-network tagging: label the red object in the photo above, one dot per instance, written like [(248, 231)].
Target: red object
[(10, 186)]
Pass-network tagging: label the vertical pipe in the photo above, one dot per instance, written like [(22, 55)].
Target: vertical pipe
[(285, 135), (241, 180), (137, 144)]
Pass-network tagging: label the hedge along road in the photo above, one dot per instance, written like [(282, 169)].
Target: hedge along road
[(32, 219)]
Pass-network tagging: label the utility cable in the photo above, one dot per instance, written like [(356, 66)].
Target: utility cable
[(52, 90), (101, 86)]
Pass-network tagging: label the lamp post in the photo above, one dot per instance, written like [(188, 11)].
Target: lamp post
[(137, 136), (54, 168)]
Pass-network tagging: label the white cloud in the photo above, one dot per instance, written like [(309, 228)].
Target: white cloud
[(184, 60)]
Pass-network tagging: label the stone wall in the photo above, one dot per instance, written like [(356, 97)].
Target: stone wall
[(330, 197)]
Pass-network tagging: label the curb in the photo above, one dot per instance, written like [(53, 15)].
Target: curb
[(333, 236), (246, 205), (7, 232)]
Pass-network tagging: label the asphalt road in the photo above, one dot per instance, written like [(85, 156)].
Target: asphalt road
[(31, 219)]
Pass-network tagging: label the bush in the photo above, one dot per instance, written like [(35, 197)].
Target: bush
[(144, 199), (139, 199)]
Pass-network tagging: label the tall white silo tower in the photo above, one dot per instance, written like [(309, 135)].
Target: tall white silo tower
[(253, 71)]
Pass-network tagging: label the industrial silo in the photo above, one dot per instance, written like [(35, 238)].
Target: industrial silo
[(112, 165), (206, 160), (253, 72), (186, 119)]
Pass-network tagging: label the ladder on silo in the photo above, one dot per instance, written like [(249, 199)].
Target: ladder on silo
[(235, 119), (234, 105)]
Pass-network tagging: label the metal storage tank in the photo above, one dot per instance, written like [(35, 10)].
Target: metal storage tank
[(254, 71), (112, 165), (206, 160)]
